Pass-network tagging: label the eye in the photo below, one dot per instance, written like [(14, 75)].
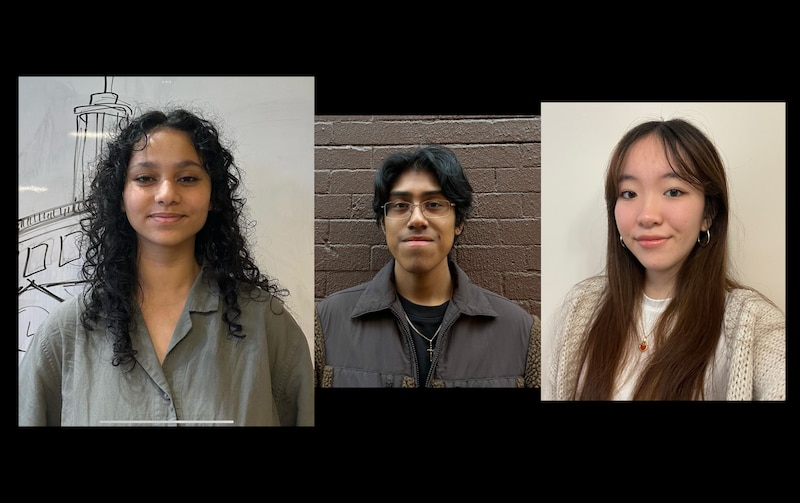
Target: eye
[(627, 194), (674, 192), (434, 204), (398, 205), (143, 179), (188, 179)]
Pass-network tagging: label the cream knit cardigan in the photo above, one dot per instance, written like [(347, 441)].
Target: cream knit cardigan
[(754, 342)]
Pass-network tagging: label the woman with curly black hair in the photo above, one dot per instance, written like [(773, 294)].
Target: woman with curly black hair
[(177, 325)]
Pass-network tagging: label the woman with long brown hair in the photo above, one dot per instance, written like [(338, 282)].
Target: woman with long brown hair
[(666, 320)]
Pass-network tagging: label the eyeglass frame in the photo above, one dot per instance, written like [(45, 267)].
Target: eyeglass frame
[(416, 205)]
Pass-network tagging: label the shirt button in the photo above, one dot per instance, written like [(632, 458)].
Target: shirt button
[(166, 397)]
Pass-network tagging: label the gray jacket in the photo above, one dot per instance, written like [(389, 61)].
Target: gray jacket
[(363, 340)]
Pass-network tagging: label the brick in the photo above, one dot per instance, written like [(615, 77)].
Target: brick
[(341, 257), (480, 232), (321, 231), (342, 158), (379, 256), (516, 130), (522, 285), (482, 257), (347, 181), (323, 133), (498, 205), (531, 155), (361, 207), (356, 232), (332, 206), (516, 180), (482, 179), (489, 156), (531, 205)]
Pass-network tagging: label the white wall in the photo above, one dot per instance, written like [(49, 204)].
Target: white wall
[(577, 140), (270, 119)]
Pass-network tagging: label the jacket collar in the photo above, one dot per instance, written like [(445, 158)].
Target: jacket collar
[(380, 294)]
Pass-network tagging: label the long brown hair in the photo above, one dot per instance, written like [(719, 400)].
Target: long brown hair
[(688, 331)]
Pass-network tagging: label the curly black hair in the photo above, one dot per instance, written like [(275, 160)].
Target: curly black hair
[(109, 264)]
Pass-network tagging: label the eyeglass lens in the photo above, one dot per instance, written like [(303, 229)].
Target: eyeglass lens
[(431, 208)]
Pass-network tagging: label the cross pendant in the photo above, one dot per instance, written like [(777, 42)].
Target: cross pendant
[(430, 352)]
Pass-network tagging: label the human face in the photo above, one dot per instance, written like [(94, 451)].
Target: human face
[(658, 215), (419, 245), (167, 194)]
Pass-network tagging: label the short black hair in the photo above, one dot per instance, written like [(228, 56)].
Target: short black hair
[(436, 159)]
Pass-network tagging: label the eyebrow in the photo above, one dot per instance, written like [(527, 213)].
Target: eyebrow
[(670, 175), (180, 165), (407, 193)]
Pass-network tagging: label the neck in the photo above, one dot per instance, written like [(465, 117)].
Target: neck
[(659, 286), (166, 275), (432, 288)]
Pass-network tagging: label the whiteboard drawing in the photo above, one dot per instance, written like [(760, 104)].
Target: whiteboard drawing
[(64, 123), (48, 248)]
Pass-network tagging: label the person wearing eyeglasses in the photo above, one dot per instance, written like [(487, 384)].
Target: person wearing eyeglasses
[(421, 322)]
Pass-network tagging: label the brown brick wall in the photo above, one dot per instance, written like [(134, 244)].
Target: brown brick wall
[(500, 248)]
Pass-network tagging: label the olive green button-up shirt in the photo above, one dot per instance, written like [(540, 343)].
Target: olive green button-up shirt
[(207, 378)]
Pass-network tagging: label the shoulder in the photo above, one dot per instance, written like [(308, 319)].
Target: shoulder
[(505, 306), (346, 297), (581, 300), (61, 325), (260, 308), (591, 287), (66, 312), (749, 304)]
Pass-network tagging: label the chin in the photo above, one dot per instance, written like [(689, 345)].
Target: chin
[(414, 266)]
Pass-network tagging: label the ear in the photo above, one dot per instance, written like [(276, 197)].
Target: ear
[(383, 227), (709, 214), (459, 228)]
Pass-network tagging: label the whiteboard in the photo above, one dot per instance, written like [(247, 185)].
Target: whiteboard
[(268, 123)]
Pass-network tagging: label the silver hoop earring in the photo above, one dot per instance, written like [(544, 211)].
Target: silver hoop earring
[(708, 239), (622, 242)]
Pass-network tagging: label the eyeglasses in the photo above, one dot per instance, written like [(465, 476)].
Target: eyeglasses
[(432, 208)]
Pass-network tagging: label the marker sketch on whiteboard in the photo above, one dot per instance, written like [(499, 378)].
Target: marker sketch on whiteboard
[(49, 258)]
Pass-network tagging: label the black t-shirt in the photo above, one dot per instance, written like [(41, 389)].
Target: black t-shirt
[(427, 319)]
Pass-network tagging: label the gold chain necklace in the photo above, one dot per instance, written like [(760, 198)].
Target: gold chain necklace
[(430, 340)]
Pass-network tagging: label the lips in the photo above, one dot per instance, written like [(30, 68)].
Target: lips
[(418, 240), (166, 217), (650, 241)]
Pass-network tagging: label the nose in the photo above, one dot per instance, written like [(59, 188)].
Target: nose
[(650, 211), (166, 192), (417, 218)]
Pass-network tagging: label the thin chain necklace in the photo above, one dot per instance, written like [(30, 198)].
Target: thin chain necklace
[(429, 339)]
